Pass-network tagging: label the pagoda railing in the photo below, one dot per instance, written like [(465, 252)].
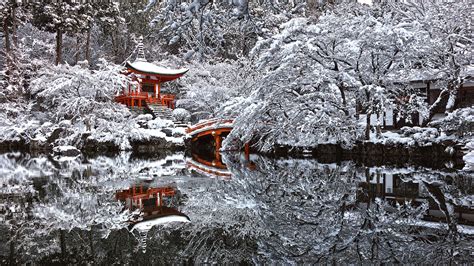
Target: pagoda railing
[(134, 99)]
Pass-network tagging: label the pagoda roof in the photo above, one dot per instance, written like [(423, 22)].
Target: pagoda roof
[(165, 74)]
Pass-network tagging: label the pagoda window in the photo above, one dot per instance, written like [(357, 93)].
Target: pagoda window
[(148, 87)]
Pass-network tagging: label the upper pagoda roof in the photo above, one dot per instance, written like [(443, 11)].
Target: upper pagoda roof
[(165, 74), (141, 66)]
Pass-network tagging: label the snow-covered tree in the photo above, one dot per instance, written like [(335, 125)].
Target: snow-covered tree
[(447, 48), (60, 17), (210, 90), (13, 15)]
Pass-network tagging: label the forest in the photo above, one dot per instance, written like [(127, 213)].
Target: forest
[(286, 132), (295, 73)]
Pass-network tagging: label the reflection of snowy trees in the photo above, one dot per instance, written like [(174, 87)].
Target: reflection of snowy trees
[(46, 199), (270, 210), (311, 214)]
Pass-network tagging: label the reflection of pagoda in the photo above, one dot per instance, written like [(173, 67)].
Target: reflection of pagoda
[(157, 205), (393, 189)]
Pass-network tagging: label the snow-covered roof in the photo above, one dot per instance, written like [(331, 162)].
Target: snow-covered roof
[(150, 68)]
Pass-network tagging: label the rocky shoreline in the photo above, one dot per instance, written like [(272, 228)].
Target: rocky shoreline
[(92, 147), (436, 155)]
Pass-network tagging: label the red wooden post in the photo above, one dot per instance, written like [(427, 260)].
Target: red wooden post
[(247, 151), (159, 89), (218, 140)]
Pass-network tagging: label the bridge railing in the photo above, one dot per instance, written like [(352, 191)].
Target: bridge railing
[(208, 123)]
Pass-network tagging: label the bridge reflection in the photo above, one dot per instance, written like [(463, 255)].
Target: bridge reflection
[(209, 166), (155, 205)]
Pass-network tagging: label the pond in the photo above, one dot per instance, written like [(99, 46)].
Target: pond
[(177, 208)]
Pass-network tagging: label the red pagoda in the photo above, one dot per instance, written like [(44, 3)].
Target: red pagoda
[(147, 78)]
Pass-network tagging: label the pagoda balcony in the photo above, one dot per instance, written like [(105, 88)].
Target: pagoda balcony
[(141, 99)]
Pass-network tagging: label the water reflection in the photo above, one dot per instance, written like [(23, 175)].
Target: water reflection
[(155, 205), (88, 210), (208, 166), (397, 188)]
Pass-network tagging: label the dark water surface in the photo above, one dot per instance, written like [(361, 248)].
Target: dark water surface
[(177, 209)]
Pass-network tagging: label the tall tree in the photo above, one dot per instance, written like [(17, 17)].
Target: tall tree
[(12, 14), (60, 17)]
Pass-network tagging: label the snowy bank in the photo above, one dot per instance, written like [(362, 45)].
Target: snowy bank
[(469, 157), (73, 106)]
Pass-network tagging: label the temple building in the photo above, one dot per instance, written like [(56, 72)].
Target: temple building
[(147, 79)]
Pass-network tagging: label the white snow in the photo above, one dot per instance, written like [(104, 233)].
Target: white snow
[(64, 148), (152, 68), (469, 157), (147, 225)]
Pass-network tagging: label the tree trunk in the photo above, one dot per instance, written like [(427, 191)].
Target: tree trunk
[(114, 46), (78, 47), (62, 243), (12, 252), (91, 243), (59, 45), (343, 97), (88, 44), (454, 85), (6, 33), (14, 27), (367, 126), (312, 6), (434, 106)]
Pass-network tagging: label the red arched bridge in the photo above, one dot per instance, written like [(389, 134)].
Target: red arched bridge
[(212, 127)]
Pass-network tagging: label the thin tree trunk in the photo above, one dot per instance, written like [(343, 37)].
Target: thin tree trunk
[(14, 27), (78, 46), (114, 46), (12, 251), (91, 243), (88, 44), (62, 243), (6, 33), (343, 97), (367, 126), (59, 45)]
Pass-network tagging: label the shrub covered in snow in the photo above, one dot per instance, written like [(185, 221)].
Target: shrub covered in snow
[(420, 134), (159, 123), (181, 114), (460, 122)]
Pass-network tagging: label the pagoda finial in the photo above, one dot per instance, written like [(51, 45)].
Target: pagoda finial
[(141, 50)]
